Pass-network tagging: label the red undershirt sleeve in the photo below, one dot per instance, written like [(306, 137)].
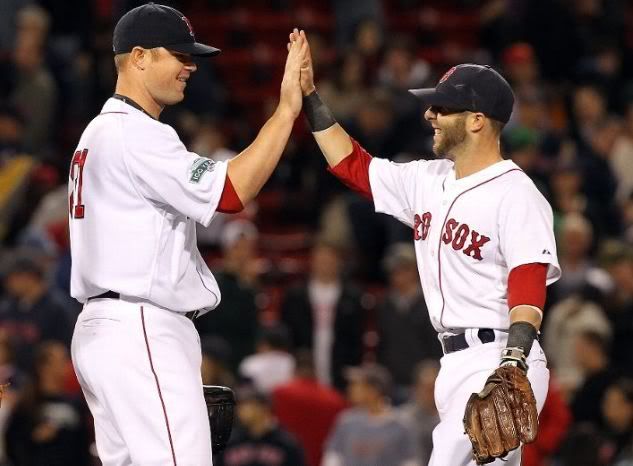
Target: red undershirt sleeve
[(526, 285), (230, 202), (353, 170)]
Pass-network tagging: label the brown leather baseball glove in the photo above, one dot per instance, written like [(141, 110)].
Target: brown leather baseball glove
[(502, 416)]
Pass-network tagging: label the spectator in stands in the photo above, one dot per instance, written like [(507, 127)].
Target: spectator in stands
[(306, 408), (405, 333), (370, 433), (48, 427), (617, 258), (352, 15), (401, 69), (369, 37), (29, 311), (621, 157), (258, 440), (235, 319), (216, 354), (271, 365), (210, 141), (601, 184), (592, 355), (347, 90), (325, 315), (9, 374), (522, 69), (28, 83), (420, 413), (617, 410), (566, 182), (575, 237), (523, 148), (565, 321), (589, 109), (584, 446)]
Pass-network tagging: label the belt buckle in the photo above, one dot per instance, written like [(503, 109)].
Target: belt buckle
[(443, 343)]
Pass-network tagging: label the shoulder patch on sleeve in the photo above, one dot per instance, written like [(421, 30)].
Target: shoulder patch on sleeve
[(199, 167)]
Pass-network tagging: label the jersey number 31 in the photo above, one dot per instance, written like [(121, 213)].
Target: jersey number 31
[(77, 209)]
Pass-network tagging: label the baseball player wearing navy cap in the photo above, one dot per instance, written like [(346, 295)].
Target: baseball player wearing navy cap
[(485, 248), (135, 194)]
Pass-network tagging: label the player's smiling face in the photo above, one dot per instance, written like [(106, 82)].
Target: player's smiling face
[(170, 72), (449, 128)]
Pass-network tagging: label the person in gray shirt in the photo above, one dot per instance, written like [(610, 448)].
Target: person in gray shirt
[(420, 412), (370, 433)]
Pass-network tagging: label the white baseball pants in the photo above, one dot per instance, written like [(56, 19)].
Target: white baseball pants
[(463, 373), (139, 369)]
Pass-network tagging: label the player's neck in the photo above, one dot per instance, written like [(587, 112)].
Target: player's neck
[(140, 96), (474, 156)]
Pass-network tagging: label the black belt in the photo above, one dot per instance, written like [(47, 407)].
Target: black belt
[(114, 295), (458, 342), (106, 295)]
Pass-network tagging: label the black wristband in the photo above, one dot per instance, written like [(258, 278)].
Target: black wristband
[(317, 113), (522, 335)]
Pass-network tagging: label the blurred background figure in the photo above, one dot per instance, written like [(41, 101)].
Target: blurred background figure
[(257, 439), (617, 259), (272, 364), (617, 411), (325, 315), (9, 374), (235, 319), (30, 312), (592, 356), (370, 433), (420, 412), (28, 82), (575, 235), (216, 356), (405, 333), (307, 408), (48, 426), (554, 423)]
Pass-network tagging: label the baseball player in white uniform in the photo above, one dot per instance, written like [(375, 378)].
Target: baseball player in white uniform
[(135, 193), (483, 237)]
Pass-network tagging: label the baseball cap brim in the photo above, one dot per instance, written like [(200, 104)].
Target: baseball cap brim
[(431, 96), (195, 48)]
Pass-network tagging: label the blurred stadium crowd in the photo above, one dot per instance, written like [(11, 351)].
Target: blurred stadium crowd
[(313, 281)]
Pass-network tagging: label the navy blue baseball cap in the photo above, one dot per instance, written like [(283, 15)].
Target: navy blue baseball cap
[(153, 25), (476, 88)]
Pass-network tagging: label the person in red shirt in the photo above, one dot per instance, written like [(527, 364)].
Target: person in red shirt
[(307, 408), (554, 421)]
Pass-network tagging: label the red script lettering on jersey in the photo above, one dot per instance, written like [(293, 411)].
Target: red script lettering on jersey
[(77, 209), (421, 226), (457, 234)]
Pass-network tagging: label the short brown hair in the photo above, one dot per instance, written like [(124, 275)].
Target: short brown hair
[(497, 126), (120, 60)]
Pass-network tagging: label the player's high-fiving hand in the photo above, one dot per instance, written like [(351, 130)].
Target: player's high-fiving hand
[(307, 71), (291, 97)]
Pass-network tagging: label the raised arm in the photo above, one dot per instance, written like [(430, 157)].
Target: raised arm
[(249, 170)]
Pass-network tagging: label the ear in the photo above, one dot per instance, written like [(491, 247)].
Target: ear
[(139, 58), (476, 122)]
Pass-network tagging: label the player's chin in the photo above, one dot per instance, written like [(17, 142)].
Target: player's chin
[(175, 97)]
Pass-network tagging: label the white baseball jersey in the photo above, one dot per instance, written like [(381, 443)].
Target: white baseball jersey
[(135, 193), (468, 233)]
